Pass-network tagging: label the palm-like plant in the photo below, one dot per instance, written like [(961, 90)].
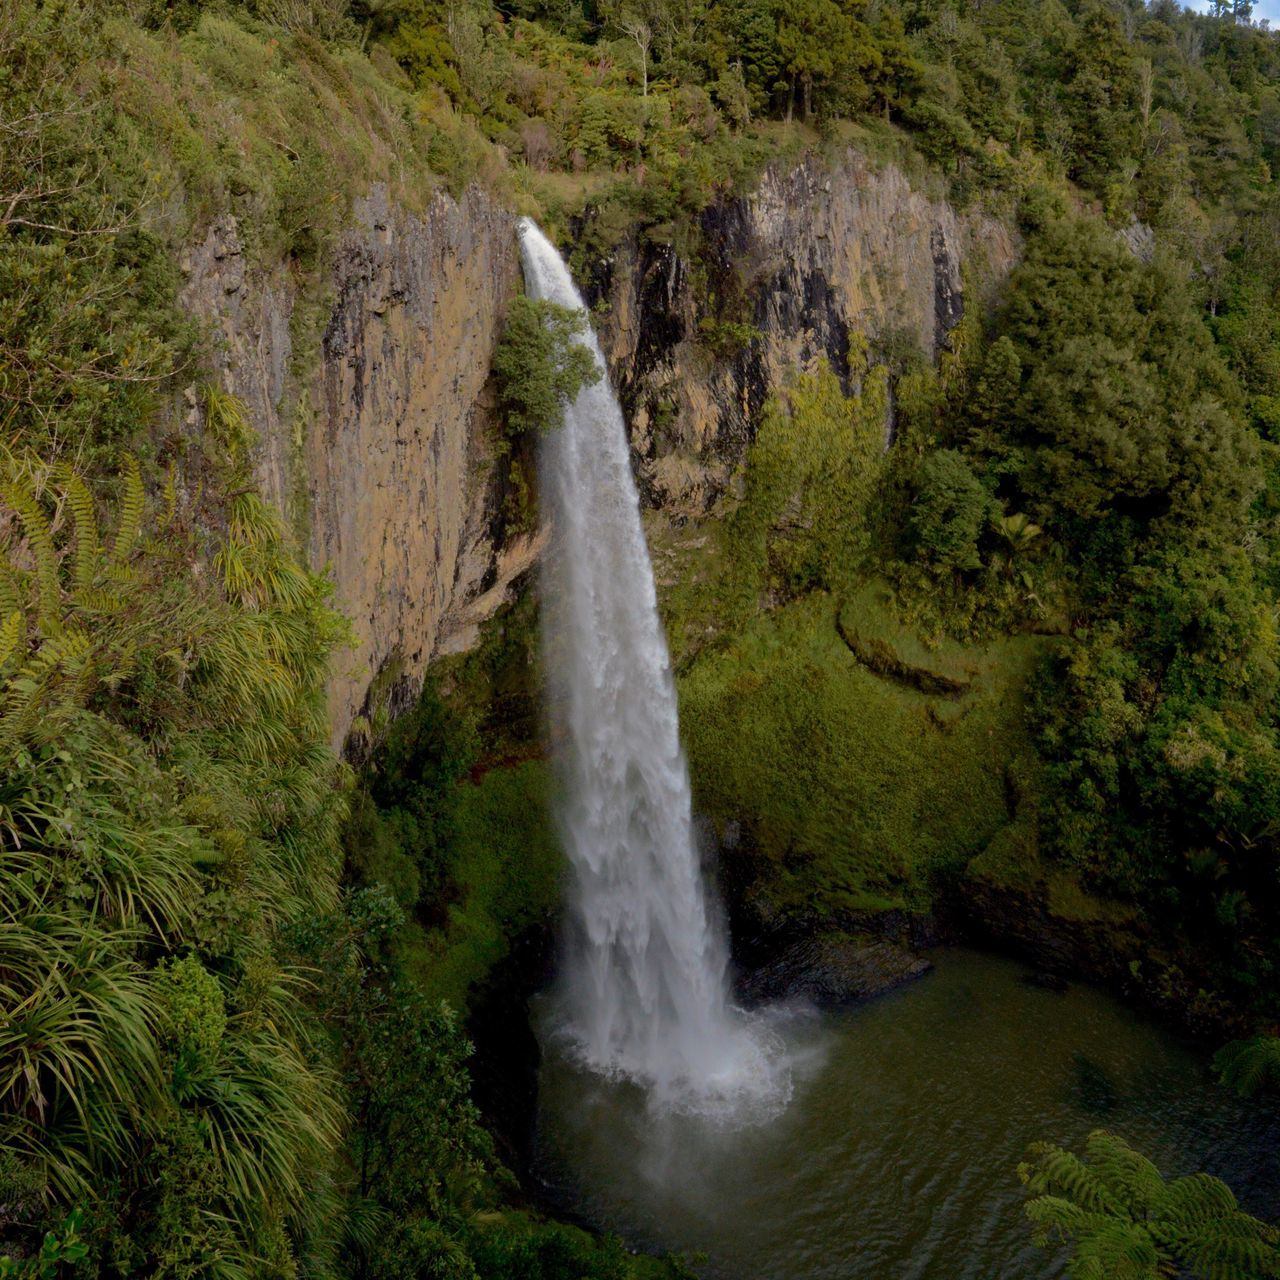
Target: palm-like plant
[(1125, 1222)]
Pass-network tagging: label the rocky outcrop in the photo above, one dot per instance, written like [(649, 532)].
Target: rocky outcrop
[(820, 251), (373, 420), (833, 970), (368, 389)]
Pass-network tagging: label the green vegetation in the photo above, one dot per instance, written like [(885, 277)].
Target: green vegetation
[(1249, 1066), (1125, 1222), (540, 365), (911, 752), (1032, 644), (169, 809)]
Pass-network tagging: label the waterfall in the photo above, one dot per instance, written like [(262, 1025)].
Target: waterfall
[(645, 991)]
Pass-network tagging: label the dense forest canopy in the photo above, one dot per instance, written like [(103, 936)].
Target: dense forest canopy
[(183, 853)]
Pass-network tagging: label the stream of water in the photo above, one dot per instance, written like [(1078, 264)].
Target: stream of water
[(896, 1157), (644, 995)]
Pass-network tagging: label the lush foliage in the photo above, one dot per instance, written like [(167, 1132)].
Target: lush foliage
[(1125, 1222), (168, 809), (226, 1048), (540, 364)]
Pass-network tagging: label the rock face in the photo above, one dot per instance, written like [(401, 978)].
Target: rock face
[(370, 398), (819, 252), (374, 424), (833, 970)]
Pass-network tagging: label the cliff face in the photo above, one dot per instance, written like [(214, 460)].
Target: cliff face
[(818, 252), (373, 421), (369, 394)]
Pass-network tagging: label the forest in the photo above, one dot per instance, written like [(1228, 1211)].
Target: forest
[(244, 969)]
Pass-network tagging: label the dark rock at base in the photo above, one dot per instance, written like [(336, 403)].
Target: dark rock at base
[(833, 970), (504, 1068), (1047, 981)]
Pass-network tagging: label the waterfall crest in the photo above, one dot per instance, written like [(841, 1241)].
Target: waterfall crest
[(645, 993)]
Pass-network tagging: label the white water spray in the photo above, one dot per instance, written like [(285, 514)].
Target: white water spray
[(645, 992)]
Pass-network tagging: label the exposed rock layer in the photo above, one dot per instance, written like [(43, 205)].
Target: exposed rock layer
[(819, 252), (374, 423), (371, 403)]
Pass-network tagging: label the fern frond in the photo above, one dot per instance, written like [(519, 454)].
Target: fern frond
[(170, 496), (1126, 1223), (98, 600), (1129, 1177), (1193, 1201), (85, 521), (10, 599), (1116, 1250), (18, 495), (132, 503), (1248, 1066), (1054, 1171), (10, 635)]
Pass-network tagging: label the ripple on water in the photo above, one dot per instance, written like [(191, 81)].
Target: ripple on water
[(895, 1157)]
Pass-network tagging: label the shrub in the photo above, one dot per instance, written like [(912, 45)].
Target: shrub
[(950, 512), (541, 364)]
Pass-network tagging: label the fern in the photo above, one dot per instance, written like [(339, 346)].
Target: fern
[(1127, 1223), (18, 494), (80, 501), (170, 496), (1248, 1066), (10, 635), (131, 508)]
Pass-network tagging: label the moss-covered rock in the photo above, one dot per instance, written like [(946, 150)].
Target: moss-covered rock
[(857, 785)]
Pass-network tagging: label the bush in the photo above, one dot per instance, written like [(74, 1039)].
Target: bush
[(541, 364), (950, 512)]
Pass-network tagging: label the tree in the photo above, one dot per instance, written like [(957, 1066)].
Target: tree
[(827, 50), (950, 511), (541, 364), (638, 31)]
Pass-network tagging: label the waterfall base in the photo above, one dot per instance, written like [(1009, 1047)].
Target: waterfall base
[(742, 1079)]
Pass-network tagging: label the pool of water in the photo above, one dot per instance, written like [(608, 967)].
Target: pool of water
[(896, 1157)]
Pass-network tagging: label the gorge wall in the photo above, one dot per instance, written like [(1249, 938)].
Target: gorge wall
[(821, 250), (369, 401), (368, 390)]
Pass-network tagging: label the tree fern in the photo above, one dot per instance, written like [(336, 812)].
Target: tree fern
[(1248, 1066), (1126, 1222)]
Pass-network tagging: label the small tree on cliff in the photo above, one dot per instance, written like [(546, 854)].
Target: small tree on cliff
[(540, 365)]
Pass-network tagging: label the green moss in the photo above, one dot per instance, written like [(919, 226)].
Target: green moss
[(858, 789), (506, 867)]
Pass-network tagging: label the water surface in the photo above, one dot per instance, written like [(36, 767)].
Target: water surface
[(896, 1157)]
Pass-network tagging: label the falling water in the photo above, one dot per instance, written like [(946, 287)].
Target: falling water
[(645, 994)]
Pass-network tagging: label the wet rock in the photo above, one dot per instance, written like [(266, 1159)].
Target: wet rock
[(834, 970), (1046, 981)]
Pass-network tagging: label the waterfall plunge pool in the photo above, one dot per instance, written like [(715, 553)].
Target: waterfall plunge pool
[(896, 1158)]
